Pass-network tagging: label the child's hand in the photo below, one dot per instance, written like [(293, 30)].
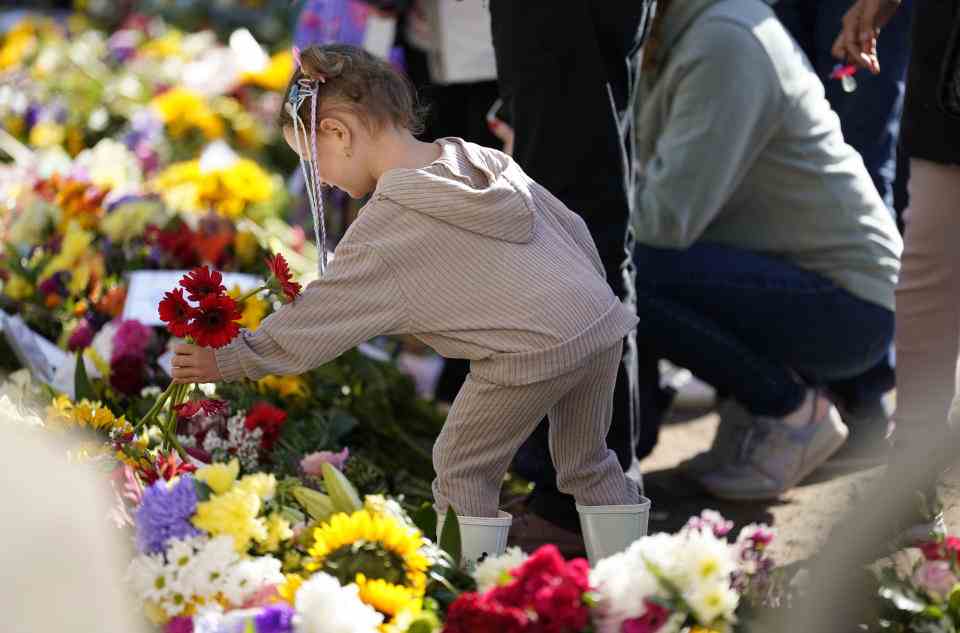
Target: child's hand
[(192, 363)]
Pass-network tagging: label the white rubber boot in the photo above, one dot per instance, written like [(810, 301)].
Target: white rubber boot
[(609, 530), (480, 537)]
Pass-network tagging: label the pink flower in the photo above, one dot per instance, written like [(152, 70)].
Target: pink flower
[(131, 340), (651, 621), (312, 463), (936, 578), (180, 624)]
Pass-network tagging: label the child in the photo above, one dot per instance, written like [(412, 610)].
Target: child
[(459, 248)]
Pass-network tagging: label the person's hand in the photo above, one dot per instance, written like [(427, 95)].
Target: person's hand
[(857, 42), (192, 363)]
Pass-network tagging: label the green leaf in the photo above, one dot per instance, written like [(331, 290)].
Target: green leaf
[(82, 388), (933, 612), (203, 490), (342, 493), (425, 518), (450, 536)]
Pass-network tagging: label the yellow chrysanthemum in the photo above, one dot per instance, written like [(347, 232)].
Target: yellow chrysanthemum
[(388, 598), (285, 386), (233, 513), (289, 588), (253, 311), (183, 111), (262, 485), (229, 191), (219, 477), (19, 42), (278, 530), (381, 530), (47, 134)]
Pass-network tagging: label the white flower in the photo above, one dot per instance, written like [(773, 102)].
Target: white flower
[(150, 391), (110, 164), (622, 582), (326, 607), (378, 504), (494, 569), (103, 341), (151, 577), (704, 558), (712, 600), (250, 575)]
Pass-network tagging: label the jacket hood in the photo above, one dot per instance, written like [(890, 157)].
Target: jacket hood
[(471, 187)]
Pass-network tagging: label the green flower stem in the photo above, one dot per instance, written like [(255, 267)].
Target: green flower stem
[(256, 291), (156, 408)]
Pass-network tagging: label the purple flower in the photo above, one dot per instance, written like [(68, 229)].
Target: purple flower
[(131, 341), (165, 514), (179, 624), (81, 337), (54, 284), (277, 618)]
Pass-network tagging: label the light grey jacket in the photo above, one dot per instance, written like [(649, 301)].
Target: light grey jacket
[(738, 146)]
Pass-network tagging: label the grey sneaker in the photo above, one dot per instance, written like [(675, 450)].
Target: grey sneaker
[(735, 422), (776, 457)]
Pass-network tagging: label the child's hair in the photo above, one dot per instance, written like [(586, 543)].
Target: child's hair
[(351, 78)]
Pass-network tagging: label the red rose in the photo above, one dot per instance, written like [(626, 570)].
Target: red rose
[(203, 282), (472, 613), (269, 419), (177, 313), (216, 323)]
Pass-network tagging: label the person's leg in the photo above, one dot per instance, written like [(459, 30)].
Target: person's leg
[(485, 426), (928, 299), (586, 468), (755, 326), (547, 55)]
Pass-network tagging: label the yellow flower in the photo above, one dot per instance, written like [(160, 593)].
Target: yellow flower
[(20, 41), (76, 246), (278, 530), (288, 590), (229, 191), (17, 288), (387, 533), (275, 75), (46, 134), (246, 246), (260, 484), (253, 310), (388, 598), (219, 477), (233, 513), (285, 386), (168, 45), (85, 414), (183, 111)]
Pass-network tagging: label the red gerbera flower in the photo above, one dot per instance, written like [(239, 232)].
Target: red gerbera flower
[(216, 323), (269, 419), (209, 408), (177, 313), (203, 282), (281, 279), (165, 467)]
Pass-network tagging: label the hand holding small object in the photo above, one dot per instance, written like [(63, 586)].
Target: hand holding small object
[(857, 41), (194, 364)]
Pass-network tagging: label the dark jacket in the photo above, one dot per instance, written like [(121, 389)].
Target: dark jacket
[(927, 131)]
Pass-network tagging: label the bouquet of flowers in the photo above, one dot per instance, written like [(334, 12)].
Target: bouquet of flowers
[(921, 591)]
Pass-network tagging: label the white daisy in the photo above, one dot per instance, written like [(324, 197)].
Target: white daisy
[(326, 607)]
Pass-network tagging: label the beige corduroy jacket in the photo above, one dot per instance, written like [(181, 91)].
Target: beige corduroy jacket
[(467, 254)]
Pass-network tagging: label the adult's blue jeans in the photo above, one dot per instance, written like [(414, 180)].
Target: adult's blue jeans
[(759, 328), (870, 115)]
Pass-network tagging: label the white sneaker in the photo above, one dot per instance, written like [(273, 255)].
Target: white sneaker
[(777, 457), (735, 422)]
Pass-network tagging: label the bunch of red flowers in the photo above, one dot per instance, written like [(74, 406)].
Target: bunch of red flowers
[(546, 595), (212, 322)]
